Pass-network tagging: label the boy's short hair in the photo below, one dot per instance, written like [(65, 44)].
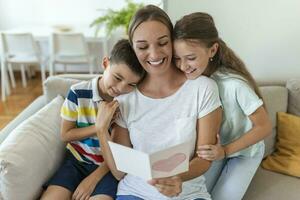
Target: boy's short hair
[(122, 52)]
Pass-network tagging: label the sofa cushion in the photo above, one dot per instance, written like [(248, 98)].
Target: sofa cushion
[(276, 100), (286, 158), (267, 185), (293, 86), (31, 153)]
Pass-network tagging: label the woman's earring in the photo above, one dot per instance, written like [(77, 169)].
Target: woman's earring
[(211, 59)]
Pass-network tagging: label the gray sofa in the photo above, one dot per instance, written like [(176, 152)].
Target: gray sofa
[(266, 185)]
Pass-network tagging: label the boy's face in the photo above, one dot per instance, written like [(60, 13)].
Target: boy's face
[(119, 79), (192, 58)]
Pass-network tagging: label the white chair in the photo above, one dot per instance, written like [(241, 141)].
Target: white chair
[(5, 87), (69, 48), (20, 49)]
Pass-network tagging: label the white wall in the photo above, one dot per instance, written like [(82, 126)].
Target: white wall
[(43, 13), (14, 13), (264, 33)]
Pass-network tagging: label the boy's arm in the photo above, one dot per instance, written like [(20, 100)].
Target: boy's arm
[(69, 131), (69, 114), (119, 135)]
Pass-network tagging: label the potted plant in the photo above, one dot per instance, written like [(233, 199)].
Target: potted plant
[(115, 19)]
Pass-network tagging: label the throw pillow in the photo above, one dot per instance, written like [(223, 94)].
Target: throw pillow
[(293, 86), (31, 153), (286, 158)]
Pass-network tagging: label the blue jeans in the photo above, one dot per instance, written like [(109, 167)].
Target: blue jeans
[(229, 178), (128, 197), (131, 197)]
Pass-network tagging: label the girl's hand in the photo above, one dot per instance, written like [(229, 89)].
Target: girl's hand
[(212, 152), (85, 189), (170, 186), (105, 115)]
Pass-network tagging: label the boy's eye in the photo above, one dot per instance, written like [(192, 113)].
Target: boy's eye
[(132, 85), (117, 78), (142, 47)]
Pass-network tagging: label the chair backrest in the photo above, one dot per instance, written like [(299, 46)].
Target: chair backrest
[(68, 44), (14, 44)]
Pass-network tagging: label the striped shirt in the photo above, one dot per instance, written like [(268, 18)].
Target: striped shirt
[(81, 106)]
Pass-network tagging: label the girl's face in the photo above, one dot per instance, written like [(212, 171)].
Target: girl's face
[(153, 47), (192, 58)]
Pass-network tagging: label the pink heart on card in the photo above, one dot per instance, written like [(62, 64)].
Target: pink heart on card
[(167, 165)]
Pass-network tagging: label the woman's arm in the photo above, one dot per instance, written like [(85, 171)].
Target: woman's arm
[(69, 131), (261, 128), (119, 135), (207, 130)]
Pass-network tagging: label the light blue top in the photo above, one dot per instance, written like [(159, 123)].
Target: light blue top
[(239, 101)]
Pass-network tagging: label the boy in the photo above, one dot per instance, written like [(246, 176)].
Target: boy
[(84, 173)]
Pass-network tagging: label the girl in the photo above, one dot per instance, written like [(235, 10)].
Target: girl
[(200, 51), (164, 110)]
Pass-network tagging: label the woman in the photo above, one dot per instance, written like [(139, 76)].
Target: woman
[(164, 110)]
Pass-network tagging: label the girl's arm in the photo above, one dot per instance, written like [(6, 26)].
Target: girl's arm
[(119, 135), (69, 131), (207, 129), (261, 128)]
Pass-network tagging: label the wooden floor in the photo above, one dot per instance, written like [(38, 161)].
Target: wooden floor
[(20, 98)]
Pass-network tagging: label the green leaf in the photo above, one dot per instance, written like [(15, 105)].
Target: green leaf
[(114, 19)]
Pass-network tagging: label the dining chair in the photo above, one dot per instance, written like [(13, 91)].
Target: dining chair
[(69, 48), (5, 86), (22, 50)]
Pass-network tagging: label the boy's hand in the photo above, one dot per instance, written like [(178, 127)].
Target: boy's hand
[(212, 152), (85, 189), (170, 186), (106, 112)]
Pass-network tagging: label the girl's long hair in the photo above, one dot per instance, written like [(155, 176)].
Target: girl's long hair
[(200, 28)]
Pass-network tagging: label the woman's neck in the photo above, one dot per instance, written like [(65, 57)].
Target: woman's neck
[(162, 85)]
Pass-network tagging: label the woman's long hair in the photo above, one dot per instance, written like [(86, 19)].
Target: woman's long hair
[(149, 13)]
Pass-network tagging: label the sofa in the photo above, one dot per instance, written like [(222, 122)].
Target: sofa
[(31, 149)]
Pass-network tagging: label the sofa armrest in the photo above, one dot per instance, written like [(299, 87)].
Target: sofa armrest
[(35, 106)]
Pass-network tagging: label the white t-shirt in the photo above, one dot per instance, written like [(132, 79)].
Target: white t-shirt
[(155, 124), (239, 101)]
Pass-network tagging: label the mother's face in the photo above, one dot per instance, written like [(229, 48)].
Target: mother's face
[(153, 46)]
